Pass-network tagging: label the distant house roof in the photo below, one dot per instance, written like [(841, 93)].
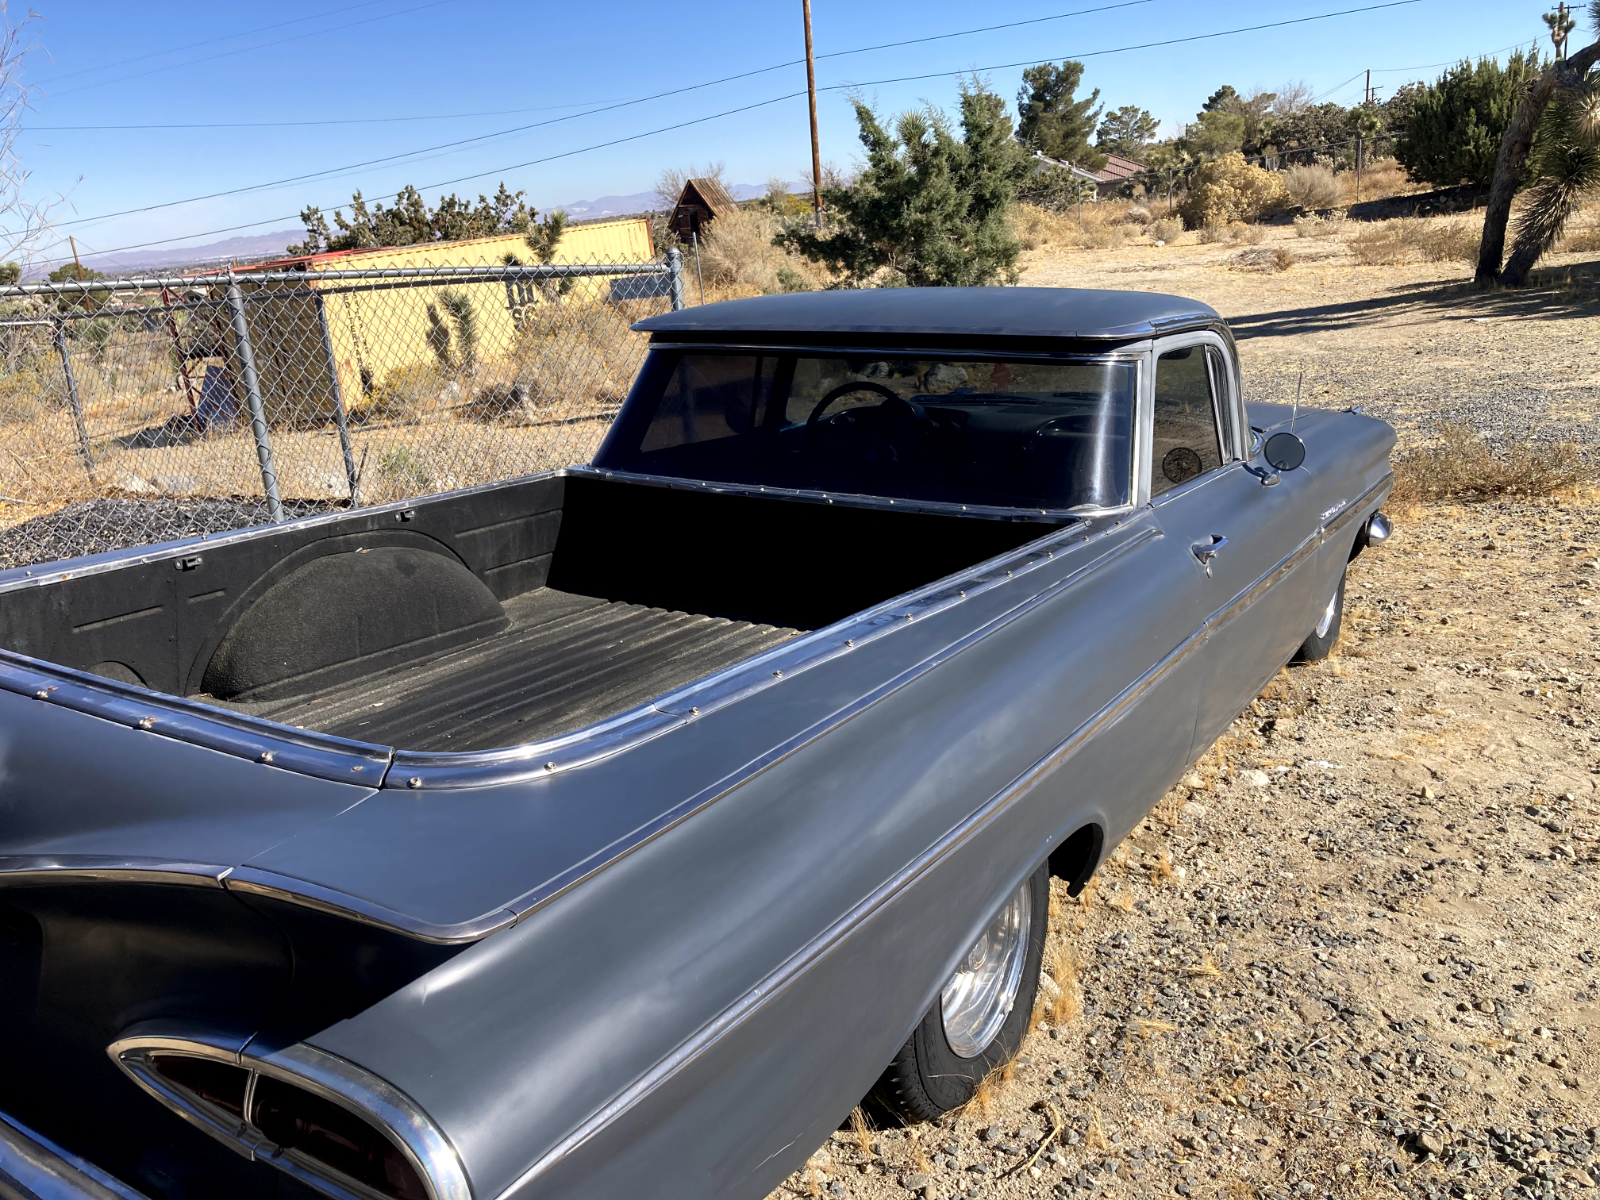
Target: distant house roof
[(702, 202), (1118, 168)]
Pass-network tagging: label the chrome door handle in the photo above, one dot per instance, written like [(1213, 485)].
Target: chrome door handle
[(1206, 551)]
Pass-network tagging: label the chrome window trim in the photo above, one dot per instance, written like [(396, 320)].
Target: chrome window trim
[(335, 1079), (45, 1171), (1227, 423), (782, 977)]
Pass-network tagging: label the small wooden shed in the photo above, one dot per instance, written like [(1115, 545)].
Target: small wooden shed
[(702, 202)]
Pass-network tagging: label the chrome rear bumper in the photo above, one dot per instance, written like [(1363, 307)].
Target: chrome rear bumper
[(34, 1168)]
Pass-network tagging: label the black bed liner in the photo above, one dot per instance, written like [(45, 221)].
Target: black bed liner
[(566, 661)]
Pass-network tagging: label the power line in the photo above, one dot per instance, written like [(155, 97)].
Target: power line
[(252, 49), (122, 62), (641, 100), (726, 113)]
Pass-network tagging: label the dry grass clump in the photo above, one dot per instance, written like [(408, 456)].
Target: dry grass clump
[(1313, 186), (1410, 239), (1318, 227), (1102, 226), (1166, 229), (1582, 232), (1380, 179), (737, 258), (1462, 464)]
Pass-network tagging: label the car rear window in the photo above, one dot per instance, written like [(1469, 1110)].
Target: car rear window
[(1018, 433)]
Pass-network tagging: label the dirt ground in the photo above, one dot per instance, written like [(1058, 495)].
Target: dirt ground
[(1354, 953)]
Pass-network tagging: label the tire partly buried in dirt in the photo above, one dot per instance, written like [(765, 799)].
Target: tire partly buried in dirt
[(981, 1016), (1326, 633)]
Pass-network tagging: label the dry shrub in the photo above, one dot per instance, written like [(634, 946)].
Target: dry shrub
[(1137, 214), (580, 358), (1283, 258), (1166, 229), (1230, 189), (406, 392), (1102, 226), (1317, 227), (1313, 186), (1380, 179), (738, 258), (1250, 235), (1409, 239), (1461, 463), (1212, 234)]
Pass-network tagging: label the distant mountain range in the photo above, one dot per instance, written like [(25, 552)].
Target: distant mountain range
[(263, 245)]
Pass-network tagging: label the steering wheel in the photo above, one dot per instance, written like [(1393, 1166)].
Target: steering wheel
[(883, 433)]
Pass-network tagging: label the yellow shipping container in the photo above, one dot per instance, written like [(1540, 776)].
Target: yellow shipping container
[(378, 332)]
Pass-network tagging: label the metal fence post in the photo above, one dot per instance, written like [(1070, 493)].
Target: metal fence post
[(72, 398), (675, 275), (338, 407), (252, 391)]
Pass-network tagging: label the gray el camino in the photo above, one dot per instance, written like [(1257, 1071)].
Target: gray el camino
[(612, 832)]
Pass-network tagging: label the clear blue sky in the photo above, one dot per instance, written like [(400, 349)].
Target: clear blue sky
[(443, 61)]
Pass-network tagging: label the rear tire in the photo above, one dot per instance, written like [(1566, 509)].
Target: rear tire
[(930, 1075), (1326, 634)]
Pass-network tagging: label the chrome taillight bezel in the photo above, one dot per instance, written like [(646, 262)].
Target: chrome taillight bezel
[(390, 1111)]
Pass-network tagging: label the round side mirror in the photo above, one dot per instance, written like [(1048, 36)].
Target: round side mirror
[(1284, 452)]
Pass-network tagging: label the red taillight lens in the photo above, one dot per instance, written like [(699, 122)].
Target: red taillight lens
[(218, 1083), (333, 1136)]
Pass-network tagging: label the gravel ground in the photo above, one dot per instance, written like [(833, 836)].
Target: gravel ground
[(1353, 953), (95, 526)]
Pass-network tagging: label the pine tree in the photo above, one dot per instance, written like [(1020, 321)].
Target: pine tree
[(411, 222), (1051, 122), (929, 208), (1128, 131), (1454, 133)]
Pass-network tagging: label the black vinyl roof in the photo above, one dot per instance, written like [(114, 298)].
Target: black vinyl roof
[(986, 312)]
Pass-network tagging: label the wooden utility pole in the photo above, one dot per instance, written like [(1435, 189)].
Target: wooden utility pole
[(811, 92)]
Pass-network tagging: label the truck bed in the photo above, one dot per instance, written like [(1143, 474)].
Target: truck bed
[(564, 662), (487, 618)]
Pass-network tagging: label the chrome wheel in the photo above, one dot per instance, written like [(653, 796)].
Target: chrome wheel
[(980, 995), (1327, 616)]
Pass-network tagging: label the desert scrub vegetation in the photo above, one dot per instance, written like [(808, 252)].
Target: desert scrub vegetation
[(1229, 189), (1582, 232), (1313, 186), (1460, 463), (1313, 226), (1411, 239), (1102, 226), (739, 259)]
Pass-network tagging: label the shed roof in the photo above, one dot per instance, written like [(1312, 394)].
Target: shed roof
[(973, 312), (709, 192)]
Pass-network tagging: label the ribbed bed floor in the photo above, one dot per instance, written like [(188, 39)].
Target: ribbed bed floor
[(565, 662)]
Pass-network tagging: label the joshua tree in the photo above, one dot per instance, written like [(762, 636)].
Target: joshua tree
[(1561, 23), (1567, 160), (1566, 164)]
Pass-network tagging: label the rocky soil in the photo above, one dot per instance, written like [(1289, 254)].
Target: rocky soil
[(1354, 953)]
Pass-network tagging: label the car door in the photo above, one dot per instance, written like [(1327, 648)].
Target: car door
[(1250, 546)]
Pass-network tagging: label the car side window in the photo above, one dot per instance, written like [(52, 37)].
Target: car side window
[(1185, 442)]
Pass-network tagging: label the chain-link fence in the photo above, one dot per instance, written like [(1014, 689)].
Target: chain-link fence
[(140, 410)]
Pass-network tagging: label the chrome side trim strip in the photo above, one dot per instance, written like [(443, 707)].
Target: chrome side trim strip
[(251, 881), (1374, 495), (321, 755), (24, 870), (327, 1075), (32, 1167)]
